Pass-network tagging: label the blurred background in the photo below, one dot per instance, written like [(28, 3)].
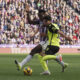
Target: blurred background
[(15, 28)]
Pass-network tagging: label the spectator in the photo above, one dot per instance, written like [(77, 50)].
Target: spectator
[(15, 27)]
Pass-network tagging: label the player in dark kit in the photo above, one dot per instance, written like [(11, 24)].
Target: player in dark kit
[(41, 46)]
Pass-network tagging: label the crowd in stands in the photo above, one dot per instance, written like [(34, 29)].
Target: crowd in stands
[(14, 26), (75, 4)]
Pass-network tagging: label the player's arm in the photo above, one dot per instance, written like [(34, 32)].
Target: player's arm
[(43, 34), (63, 35), (28, 16), (55, 29), (31, 21)]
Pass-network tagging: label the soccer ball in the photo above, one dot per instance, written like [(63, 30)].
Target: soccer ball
[(27, 71)]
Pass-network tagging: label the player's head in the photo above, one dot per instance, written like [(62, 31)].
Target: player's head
[(47, 20), (41, 13)]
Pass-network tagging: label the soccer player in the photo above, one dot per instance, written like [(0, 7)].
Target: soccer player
[(53, 33), (37, 49), (41, 46)]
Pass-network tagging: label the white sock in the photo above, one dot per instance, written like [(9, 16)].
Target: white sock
[(47, 62), (24, 61), (60, 62)]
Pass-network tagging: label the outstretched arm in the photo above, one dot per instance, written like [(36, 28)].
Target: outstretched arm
[(28, 16), (63, 35)]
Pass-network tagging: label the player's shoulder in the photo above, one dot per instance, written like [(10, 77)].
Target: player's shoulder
[(55, 25)]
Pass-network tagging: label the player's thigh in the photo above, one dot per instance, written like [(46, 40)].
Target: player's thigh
[(37, 49), (51, 50)]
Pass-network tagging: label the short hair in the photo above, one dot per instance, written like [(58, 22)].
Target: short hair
[(48, 17), (42, 11)]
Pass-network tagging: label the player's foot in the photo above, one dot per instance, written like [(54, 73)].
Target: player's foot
[(45, 73), (18, 65), (64, 67)]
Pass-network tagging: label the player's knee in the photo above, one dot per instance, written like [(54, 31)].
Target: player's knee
[(37, 49)]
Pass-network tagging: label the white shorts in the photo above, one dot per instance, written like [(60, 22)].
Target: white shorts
[(44, 44)]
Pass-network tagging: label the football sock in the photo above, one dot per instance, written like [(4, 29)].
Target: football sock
[(47, 62), (27, 59), (43, 63), (60, 61)]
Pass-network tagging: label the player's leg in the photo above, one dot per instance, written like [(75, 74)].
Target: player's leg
[(44, 45), (38, 49), (45, 58), (50, 51), (61, 62), (53, 50), (35, 50), (58, 59), (44, 65)]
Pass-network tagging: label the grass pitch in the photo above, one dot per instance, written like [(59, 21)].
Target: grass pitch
[(8, 69)]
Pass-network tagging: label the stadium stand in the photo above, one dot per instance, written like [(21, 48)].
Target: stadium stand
[(14, 26), (75, 4)]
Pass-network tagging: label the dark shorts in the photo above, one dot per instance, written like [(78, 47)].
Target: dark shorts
[(51, 50)]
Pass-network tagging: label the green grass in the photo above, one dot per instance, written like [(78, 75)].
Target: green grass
[(8, 69)]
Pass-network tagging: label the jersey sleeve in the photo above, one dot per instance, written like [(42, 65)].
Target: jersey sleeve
[(54, 28)]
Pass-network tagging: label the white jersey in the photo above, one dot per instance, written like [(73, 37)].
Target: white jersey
[(42, 30), (43, 40)]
